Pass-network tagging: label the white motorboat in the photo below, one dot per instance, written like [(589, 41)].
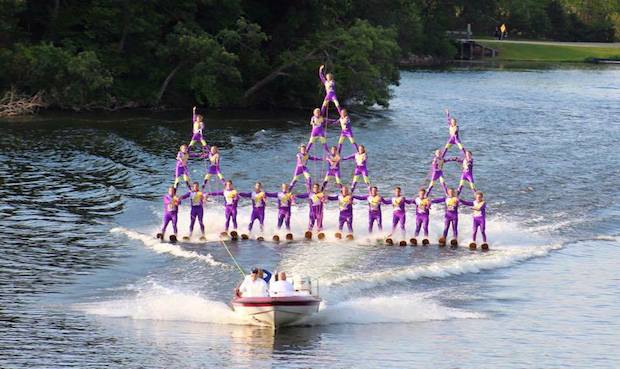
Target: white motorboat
[(279, 311)]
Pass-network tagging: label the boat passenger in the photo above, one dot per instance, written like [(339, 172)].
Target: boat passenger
[(281, 287), (253, 286)]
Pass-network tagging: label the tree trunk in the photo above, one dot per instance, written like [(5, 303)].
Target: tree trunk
[(164, 85), (279, 71)]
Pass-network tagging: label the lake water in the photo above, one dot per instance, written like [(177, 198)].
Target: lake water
[(83, 282)]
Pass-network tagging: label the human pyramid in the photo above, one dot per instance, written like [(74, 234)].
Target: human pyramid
[(316, 193)]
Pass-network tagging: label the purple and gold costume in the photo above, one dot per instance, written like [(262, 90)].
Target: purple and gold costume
[(454, 135), (214, 168), (330, 92), (451, 216), (317, 133), (181, 171), (374, 210), (333, 170), (171, 211), (479, 211), (197, 200), (345, 131), (258, 207), (345, 205), (301, 168), (197, 135), (231, 200), (437, 174), (398, 211), (316, 209), (422, 211), (285, 200), (467, 173), (361, 169)]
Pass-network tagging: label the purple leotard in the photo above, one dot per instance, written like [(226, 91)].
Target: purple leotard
[(422, 212), (451, 216), (479, 214), (467, 173), (231, 200), (345, 205), (317, 133), (330, 92), (316, 209), (345, 131), (171, 210), (398, 212), (197, 210), (361, 169), (258, 207), (301, 168), (437, 173), (333, 170), (374, 210), (453, 139), (285, 200)]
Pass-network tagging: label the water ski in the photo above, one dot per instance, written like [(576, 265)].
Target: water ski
[(203, 238), (338, 235), (484, 247), (425, 242), (260, 238), (472, 246), (185, 238), (321, 236), (234, 235), (350, 237), (442, 241), (245, 236), (308, 235), (389, 241), (173, 239), (289, 236), (276, 238), (160, 236), (402, 243), (454, 243), (413, 242)]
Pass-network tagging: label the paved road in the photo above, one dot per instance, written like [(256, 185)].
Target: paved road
[(555, 43)]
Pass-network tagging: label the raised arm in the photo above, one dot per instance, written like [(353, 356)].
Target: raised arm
[(448, 116), (352, 156), (193, 114), (321, 74), (183, 197)]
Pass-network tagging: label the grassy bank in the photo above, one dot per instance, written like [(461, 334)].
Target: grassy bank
[(551, 53)]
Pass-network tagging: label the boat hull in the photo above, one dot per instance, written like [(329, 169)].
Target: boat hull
[(276, 312)]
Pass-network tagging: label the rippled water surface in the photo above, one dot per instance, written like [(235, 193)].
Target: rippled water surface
[(83, 283)]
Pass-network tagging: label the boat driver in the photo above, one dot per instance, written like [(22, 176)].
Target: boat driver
[(253, 286)]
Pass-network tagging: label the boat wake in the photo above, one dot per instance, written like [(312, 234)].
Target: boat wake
[(167, 248)]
